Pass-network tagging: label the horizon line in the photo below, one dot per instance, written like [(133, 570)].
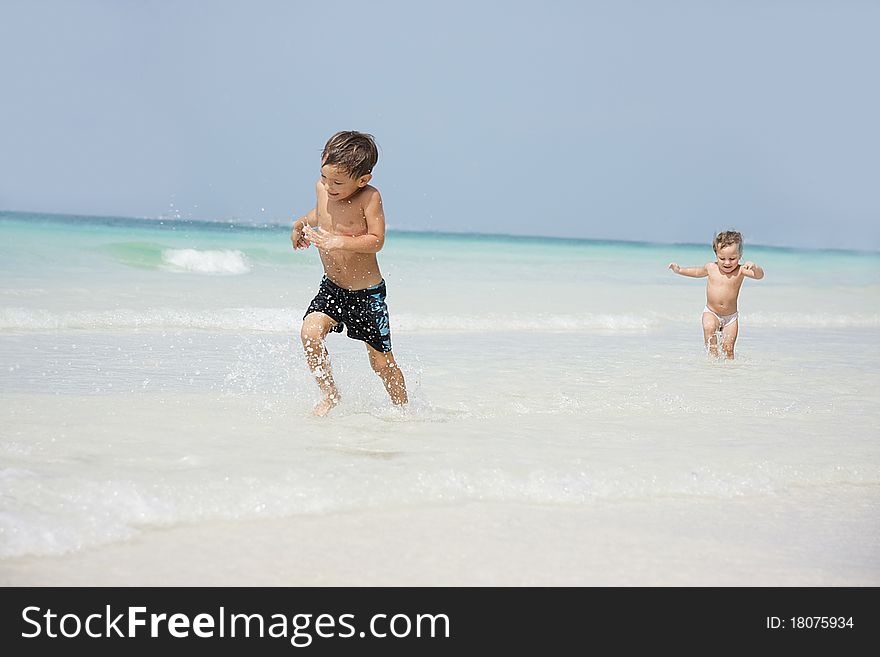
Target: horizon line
[(234, 223)]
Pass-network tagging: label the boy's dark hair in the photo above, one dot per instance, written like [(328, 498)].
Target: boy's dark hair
[(726, 237), (354, 152)]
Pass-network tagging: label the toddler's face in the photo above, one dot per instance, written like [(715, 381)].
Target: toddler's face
[(339, 184), (728, 257)]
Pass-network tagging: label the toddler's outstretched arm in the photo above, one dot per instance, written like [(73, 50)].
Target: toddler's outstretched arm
[(693, 272), (751, 270)]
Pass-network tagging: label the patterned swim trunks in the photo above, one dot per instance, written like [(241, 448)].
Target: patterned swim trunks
[(363, 312)]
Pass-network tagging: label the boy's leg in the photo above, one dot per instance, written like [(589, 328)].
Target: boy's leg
[(384, 365), (728, 338), (315, 328), (710, 331)]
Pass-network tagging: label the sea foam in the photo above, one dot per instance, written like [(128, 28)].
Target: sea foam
[(283, 320), (206, 262)]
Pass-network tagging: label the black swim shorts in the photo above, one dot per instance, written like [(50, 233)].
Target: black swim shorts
[(363, 312)]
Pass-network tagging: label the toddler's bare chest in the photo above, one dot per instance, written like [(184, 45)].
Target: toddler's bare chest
[(727, 283)]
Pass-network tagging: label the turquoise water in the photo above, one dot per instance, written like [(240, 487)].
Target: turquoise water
[(82, 263), (151, 374)]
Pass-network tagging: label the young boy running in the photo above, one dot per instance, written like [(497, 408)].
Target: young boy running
[(347, 226)]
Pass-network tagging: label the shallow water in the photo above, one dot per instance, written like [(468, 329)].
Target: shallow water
[(151, 375)]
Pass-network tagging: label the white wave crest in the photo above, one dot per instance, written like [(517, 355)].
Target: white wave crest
[(528, 323), (206, 262), (48, 515), (813, 320), (283, 320), (226, 319)]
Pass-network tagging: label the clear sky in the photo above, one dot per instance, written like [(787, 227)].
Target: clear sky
[(636, 120)]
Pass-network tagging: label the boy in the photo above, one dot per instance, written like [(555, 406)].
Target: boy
[(726, 277), (347, 226)]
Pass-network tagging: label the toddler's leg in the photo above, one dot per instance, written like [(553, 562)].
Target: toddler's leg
[(728, 338), (385, 366), (710, 333), (315, 328)]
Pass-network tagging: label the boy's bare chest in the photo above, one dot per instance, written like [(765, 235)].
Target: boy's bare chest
[(343, 218)]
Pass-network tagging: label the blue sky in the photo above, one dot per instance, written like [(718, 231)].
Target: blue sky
[(656, 121)]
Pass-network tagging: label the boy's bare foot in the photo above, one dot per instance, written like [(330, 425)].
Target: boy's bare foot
[(323, 407)]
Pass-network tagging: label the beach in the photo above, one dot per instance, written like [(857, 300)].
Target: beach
[(565, 425), (798, 540)]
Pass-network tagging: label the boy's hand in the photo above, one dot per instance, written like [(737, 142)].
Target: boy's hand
[(749, 266), (322, 239), (298, 238), (674, 267)]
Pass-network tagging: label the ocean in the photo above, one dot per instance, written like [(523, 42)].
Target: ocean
[(152, 381)]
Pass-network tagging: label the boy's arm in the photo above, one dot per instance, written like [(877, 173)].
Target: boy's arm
[(370, 242), (297, 236), (693, 272), (310, 219), (751, 270)]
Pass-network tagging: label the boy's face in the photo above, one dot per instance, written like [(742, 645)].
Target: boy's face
[(339, 184), (728, 257)]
